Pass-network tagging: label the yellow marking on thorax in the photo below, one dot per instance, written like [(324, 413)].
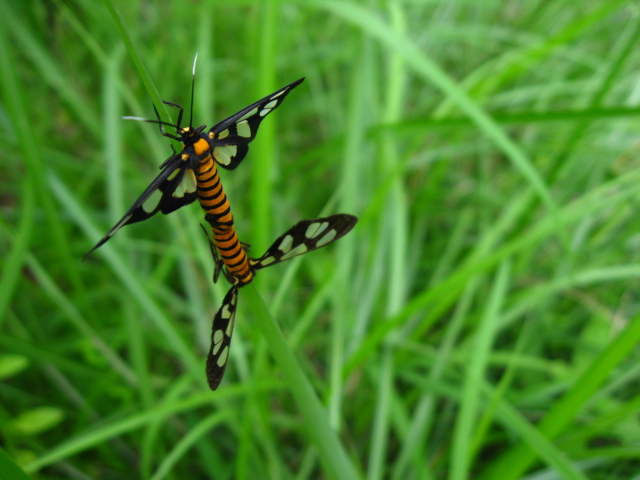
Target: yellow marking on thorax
[(201, 146)]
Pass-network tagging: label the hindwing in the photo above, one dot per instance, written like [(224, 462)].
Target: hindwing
[(304, 237), (221, 332)]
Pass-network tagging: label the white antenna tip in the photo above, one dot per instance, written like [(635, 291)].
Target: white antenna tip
[(193, 72), (139, 119)]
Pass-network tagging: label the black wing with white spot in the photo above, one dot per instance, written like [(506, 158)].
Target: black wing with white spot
[(305, 236), (229, 138), (221, 338), (175, 187)]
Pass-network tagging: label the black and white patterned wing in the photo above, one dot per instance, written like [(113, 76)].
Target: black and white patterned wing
[(175, 187), (221, 332), (304, 237), (229, 138)]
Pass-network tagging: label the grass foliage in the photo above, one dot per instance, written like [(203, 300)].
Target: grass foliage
[(480, 322)]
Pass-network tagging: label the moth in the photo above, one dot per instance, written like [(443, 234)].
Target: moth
[(240, 270), (192, 173)]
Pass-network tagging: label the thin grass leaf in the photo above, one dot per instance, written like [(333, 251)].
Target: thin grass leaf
[(9, 469), (317, 426), (516, 460)]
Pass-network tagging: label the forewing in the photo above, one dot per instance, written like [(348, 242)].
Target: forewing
[(304, 237), (172, 189), (221, 333), (229, 138)]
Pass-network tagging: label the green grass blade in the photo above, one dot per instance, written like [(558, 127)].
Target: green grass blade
[(132, 281), (516, 460), (9, 469), (430, 72), (115, 428), (264, 149), (188, 441), (332, 453)]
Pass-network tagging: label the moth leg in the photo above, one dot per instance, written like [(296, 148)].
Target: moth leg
[(179, 122), (217, 261)]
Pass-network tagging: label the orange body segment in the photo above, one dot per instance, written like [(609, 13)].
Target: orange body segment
[(201, 146), (233, 254), (211, 194), (215, 203)]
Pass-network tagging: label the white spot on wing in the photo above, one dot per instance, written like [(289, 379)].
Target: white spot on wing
[(224, 133), (316, 229), (327, 238), (285, 246), (224, 153), (268, 107), (179, 191), (267, 261), (296, 251), (151, 203), (189, 183), (244, 130), (225, 312), (248, 114), (217, 341), (230, 326), (279, 93), (222, 359)]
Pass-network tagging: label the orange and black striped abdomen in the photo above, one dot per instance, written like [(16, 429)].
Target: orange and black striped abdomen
[(215, 203), (211, 194), (233, 254)]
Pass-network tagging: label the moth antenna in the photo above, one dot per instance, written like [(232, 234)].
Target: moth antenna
[(193, 70), (137, 119), (193, 83)]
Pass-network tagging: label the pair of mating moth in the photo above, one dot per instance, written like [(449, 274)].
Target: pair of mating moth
[(192, 174)]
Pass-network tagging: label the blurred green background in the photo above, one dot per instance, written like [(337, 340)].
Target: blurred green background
[(481, 320)]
